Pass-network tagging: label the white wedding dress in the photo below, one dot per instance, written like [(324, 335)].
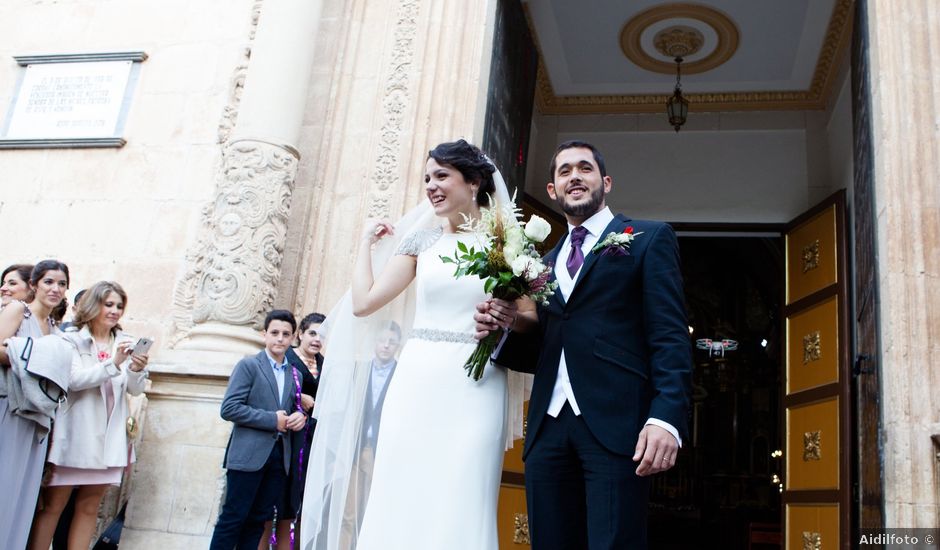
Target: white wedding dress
[(439, 455)]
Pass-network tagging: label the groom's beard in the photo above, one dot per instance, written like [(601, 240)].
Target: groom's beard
[(586, 209)]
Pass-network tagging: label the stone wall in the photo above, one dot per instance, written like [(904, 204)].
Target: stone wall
[(130, 214), (123, 214)]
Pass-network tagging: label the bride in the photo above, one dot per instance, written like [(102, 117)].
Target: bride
[(429, 478)]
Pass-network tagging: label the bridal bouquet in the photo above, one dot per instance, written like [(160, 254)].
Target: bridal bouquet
[(508, 262)]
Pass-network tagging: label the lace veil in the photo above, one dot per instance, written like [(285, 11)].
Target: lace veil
[(335, 495)]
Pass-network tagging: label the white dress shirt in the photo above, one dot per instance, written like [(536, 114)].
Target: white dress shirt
[(562, 392), (278, 375)]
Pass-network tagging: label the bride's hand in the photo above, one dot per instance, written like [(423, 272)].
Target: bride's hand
[(375, 229), (493, 314)]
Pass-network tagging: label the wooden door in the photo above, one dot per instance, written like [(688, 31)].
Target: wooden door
[(512, 519), (816, 396)]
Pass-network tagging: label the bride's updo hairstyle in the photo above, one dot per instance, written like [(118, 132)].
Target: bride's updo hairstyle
[(472, 164)]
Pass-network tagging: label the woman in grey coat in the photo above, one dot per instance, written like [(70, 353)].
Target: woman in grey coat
[(22, 453)]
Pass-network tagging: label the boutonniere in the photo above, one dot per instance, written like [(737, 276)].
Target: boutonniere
[(616, 244)]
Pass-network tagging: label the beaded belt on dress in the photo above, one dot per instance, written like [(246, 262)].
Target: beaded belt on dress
[(435, 335)]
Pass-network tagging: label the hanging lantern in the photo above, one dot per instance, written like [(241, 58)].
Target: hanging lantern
[(677, 107)]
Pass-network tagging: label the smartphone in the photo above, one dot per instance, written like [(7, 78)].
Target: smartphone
[(142, 346)]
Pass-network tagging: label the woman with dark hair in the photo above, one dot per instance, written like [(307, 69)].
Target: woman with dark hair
[(89, 445), (308, 352), (308, 362), (58, 313), (22, 454), (14, 284), (371, 492), (475, 168)]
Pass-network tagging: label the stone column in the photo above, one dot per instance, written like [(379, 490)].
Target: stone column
[(232, 272), (904, 48), (230, 281)]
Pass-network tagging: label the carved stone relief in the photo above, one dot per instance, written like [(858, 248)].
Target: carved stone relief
[(237, 83), (235, 265), (230, 111), (395, 102), (232, 271)]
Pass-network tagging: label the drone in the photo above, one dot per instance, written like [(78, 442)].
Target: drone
[(716, 347)]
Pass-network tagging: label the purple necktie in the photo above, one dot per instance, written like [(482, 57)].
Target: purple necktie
[(576, 257)]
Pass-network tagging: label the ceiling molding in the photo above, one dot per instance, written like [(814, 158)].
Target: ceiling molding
[(814, 98)]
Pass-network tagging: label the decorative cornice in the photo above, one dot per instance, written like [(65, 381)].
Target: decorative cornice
[(815, 98)]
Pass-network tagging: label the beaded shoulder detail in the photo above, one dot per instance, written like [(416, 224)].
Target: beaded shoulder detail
[(26, 311), (419, 241)]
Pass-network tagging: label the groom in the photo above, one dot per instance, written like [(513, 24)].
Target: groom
[(612, 363)]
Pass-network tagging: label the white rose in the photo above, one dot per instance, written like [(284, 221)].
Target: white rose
[(511, 253), (522, 266), (527, 267), (515, 236), (537, 229), (537, 267), (515, 243)]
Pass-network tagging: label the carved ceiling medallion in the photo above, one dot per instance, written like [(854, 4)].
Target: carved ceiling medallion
[(726, 31), (678, 41)]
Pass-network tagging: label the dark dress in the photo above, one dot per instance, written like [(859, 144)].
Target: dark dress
[(294, 492)]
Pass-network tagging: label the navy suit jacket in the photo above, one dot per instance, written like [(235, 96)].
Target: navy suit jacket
[(251, 402), (625, 337)]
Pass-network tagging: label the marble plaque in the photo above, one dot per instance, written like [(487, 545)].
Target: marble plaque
[(69, 100)]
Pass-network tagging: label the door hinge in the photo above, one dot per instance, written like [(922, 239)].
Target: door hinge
[(858, 369)]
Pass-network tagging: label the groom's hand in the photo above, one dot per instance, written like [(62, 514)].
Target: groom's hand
[(655, 450), (484, 321)]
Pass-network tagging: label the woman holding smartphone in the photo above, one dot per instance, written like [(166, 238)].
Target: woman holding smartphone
[(89, 444)]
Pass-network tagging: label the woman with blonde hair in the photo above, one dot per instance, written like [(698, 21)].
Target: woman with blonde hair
[(89, 445)]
